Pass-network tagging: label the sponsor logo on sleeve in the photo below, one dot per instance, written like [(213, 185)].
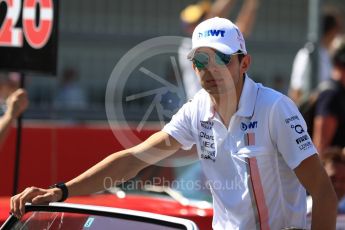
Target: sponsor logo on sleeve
[(302, 139), (298, 128), (293, 118), (305, 146)]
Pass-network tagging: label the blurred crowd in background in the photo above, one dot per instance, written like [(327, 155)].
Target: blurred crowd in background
[(94, 37)]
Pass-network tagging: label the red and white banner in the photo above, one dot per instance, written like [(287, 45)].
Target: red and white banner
[(28, 30)]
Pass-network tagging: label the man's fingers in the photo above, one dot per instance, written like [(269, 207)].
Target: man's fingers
[(17, 102), (21, 96), (16, 206), (13, 204), (26, 197), (19, 92), (18, 201)]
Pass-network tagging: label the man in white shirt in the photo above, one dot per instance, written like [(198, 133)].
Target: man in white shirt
[(244, 132), (301, 82)]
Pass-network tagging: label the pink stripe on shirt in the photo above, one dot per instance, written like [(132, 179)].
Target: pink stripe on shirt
[(259, 194)]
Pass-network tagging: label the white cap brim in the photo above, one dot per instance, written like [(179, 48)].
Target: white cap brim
[(217, 46)]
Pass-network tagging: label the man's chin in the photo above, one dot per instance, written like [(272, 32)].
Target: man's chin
[(218, 90), (214, 91)]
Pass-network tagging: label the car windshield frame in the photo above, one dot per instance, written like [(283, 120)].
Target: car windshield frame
[(125, 214)]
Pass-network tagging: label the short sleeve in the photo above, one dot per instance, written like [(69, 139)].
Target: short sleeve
[(180, 127), (300, 70), (289, 132), (327, 104)]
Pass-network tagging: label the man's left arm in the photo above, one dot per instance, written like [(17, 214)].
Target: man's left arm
[(313, 177), (293, 142)]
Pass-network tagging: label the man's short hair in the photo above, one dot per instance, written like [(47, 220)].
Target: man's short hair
[(338, 57), (240, 57), (329, 22)]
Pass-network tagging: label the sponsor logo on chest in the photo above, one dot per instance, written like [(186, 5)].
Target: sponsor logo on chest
[(206, 124), (206, 138), (249, 125)]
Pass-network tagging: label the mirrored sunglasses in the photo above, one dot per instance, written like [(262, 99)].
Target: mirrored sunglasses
[(202, 59)]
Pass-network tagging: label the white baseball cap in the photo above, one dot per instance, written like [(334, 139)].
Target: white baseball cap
[(220, 34)]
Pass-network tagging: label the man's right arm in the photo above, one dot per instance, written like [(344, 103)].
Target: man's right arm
[(118, 167)]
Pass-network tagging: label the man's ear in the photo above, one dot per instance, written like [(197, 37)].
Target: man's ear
[(193, 66), (246, 63)]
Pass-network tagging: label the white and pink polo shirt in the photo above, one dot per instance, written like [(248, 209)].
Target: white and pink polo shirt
[(249, 165)]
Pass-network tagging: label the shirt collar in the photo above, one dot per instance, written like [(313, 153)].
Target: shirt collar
[(210, 110), (246, 104), (248, 98)]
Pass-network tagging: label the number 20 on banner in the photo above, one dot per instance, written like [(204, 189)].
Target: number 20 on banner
[(37, 36)]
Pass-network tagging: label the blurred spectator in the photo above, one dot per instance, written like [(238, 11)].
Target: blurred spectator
[(70, 95), (329, 121), (13, 102), (279, 84), (334, 162), (301, 83), (9, 82), (192, 15)]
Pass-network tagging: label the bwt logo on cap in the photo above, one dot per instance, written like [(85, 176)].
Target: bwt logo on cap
[(212, 33)]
